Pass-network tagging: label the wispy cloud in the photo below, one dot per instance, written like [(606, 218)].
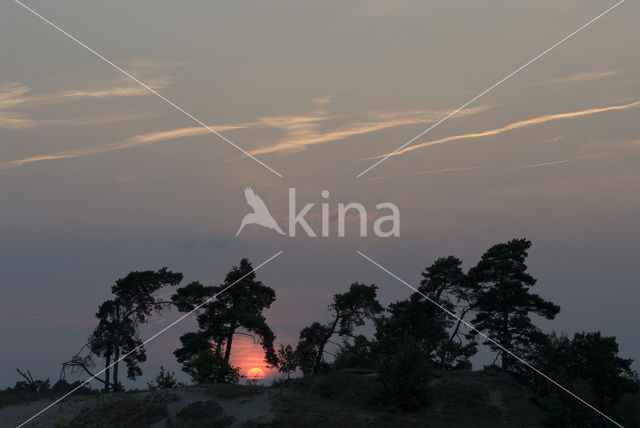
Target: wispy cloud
[(300, 137), (428, 172), (591, 150), (15, 95), (509, 127), (574, 78), (299, 131), (138, 140), (555, 139), (537, 165), (16, 120)]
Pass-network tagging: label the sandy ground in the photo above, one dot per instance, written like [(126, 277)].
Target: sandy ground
[(257, 407), (338, 399), (13, 416)]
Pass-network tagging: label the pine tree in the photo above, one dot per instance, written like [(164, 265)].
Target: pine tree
[(505, 300), (237, 310)]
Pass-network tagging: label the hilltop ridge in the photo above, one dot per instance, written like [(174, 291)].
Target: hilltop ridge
[(338, 399)]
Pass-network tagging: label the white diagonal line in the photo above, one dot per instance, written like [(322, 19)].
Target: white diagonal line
[(147, 87), (490, 88), (472, 327), (149, 339)]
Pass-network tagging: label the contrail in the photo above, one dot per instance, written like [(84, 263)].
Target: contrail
[(509, 127)]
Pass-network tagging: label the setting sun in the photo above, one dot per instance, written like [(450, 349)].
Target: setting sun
[(255, 373)]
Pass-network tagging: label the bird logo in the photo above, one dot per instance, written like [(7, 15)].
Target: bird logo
[(260, 214)]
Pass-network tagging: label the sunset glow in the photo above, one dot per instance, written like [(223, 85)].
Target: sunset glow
[(255, 373), (249, 357)]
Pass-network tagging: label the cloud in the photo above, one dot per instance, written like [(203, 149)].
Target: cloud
[(591, 150), (537, 165), (509, 127), (302, 136), (555, 139), (17, 95), (15, 120), (473, 168), (429, 171), (573, 78), (100, 120), (138, 140), (300, 131)]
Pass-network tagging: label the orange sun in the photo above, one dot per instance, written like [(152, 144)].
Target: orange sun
[(255, 373)]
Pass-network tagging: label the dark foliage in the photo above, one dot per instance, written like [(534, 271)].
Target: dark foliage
[(360, 354), (404, 377), (224, 311), (505, 301), (348, 310), (164, 380), (288, 360), (587, 364)]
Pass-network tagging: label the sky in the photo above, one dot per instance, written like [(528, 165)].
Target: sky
[(99, 177)]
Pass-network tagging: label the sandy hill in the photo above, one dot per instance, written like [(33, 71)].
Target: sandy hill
[(339, 399)]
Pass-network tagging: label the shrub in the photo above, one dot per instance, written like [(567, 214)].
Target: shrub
[(404, 377), (164, 380)]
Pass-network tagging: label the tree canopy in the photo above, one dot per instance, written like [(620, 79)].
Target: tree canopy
[(348, 310), (116, 334), (504, 301), (236, 306)]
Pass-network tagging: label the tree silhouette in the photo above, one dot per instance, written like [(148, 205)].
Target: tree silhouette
[(504, 301), (435, 332), (202, 363), (588, 362), (287, 360), (116, 334), (445, 283), (118, 320), (360, 353), (415, 317), (237, 310), (311, 345), (348, 310), (164, 380)]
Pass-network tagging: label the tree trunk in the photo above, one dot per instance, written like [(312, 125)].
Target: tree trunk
[(116, 357), (116, 354), (506, 341), (316, 365), (227, 352), (453, 335), (318, 361), (107, 373)]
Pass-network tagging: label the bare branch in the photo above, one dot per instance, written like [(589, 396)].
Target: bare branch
[(28, 378), (81, 363)]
